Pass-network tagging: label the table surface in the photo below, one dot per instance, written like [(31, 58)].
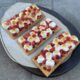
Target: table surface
[(69, 9)]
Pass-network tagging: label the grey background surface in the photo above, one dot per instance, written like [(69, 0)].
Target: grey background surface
[(70, 9)]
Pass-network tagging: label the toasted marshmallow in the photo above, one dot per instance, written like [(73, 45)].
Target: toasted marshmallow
[(5, 26), (35, 28), (30, 39), (21, 39), (62, 39), (50, 63), (69, 43), (56, 53), (41, 28), (43, 23), (40, 59), (38, 14), (48, 55), (20, 14), (73, 46), (21, 25), (64, 47), (55, 41), (65, 34), (17, 19), (13, 22), (34, 6), (48, 20), (49, 31), (74, 38), (52, 24), (17, 30), (37, 39), (27, 13), (28, 47), (48, 47), (33, 33), (13, 31), (44, 34), (28, 22)]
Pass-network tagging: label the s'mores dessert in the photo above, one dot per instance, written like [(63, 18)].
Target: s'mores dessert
[(38, 35), (22, 21), (54, 54)]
